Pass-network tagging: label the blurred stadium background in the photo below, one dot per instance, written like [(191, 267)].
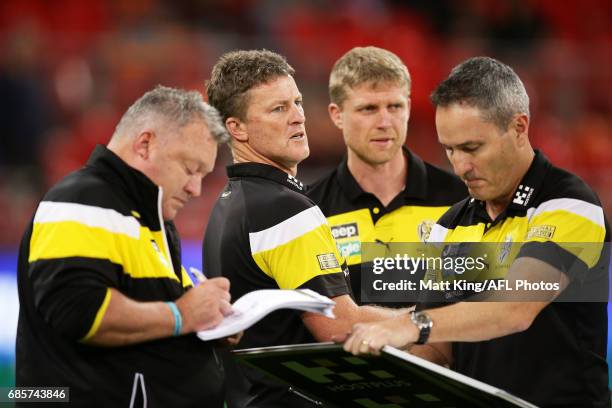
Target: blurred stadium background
[(70, 68)]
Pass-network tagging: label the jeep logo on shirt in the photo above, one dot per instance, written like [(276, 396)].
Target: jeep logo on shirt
[(345, 230)]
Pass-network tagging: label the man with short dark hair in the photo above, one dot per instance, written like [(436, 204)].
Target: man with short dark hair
[(107, 310), (264, 233), (381, 192), (545, 346)]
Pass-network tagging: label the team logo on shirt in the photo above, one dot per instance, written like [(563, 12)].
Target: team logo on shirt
[(522, 195), (328, 261), (424, 229), (504, 249)]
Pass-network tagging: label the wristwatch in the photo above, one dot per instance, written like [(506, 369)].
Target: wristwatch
[(424, 323)]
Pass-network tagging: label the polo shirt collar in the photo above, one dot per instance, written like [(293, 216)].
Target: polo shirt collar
[(531, 184), (416, 179), (134, 183), (529, 187), (265, 171)]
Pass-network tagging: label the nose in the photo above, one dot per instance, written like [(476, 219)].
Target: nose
[(194, 186), (462, 164), (298, 116), (384, 119)]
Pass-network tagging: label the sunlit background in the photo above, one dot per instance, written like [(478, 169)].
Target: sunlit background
[(70, 68)]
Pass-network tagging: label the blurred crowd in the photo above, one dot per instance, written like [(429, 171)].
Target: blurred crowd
[(70, 68)]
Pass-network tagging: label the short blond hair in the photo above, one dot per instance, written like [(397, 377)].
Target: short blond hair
[(365, 65)]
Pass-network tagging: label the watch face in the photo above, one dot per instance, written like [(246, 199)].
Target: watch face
[(421, 319)]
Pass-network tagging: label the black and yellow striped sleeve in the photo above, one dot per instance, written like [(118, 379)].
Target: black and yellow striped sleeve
[(300, 252), (567, 233), (76, 253)]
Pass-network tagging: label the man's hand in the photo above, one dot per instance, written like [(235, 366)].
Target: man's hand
[(231, 341), (365, 338), (204, 306)]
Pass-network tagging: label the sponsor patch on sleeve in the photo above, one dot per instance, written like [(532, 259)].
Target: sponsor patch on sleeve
[(328, 261), (541, 231)]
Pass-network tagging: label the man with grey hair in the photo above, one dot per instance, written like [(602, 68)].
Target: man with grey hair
[(546, 344), (107, 310)]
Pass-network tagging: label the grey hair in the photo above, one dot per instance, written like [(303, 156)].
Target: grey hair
[(173, 106), (487, 84)]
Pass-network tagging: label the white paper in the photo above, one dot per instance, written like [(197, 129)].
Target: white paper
[(253, 306)]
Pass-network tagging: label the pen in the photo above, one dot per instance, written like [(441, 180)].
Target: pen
[(197, 274)]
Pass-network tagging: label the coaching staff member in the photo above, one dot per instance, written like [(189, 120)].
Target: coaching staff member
[(264, 233), (381, 192), (548, 353), (106, 307)]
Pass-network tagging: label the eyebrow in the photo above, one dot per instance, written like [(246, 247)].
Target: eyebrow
[(462, 145), (366, 104), (277, 101), (191, 162)]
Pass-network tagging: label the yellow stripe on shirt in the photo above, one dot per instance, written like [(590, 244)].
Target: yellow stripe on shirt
[(301, 259), (99, 316), (140, 258)]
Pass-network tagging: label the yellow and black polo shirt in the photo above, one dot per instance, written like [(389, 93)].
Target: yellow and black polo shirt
[(264, 233), (101, 228), (356, 216), (561, 359)]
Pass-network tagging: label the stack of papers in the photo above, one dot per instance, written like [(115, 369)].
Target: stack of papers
[(253, 306)]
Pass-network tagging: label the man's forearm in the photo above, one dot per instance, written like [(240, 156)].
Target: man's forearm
[(479, 321), (127, 321), (347, 314), (375, 313)]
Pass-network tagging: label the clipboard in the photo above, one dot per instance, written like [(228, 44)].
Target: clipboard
[(329, 377)]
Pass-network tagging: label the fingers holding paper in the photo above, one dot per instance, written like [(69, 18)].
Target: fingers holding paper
[(205, 305), (370, 338), (231, 341)]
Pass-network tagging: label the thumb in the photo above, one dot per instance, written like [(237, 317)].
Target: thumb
[(340, 338), (221, 283)]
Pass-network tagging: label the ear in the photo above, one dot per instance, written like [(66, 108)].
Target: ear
[(335, 113), (142, 144), (408, 106), (520, 123), (237, 129)]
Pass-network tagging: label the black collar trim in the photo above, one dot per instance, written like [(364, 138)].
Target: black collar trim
[(267, 172), (136, 185), (529, 187), (416, 180)]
